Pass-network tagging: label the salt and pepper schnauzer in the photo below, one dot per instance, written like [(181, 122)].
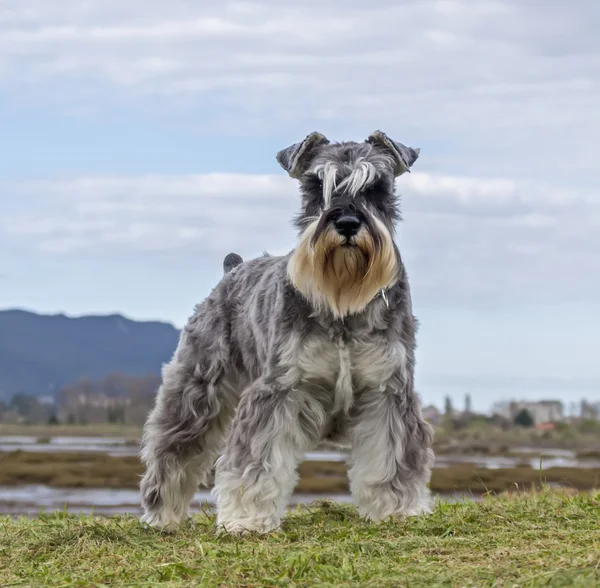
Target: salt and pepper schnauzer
[(287, 352)]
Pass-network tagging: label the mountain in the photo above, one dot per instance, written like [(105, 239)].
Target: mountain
[(41, 353)]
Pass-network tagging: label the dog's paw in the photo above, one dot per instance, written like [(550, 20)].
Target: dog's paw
[(419, 510), (377, 516), (244, 527), (160, 523)]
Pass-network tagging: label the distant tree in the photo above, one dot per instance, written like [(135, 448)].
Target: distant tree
[(53, 420), (111, 416), (498, 420), (589, 426), (116, 415), (587, 411), (468, 405), (448, 409), (29, 408), (573, 409), (448, 420), (524, 419)]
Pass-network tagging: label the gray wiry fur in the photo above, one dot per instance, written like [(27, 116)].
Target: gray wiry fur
[(261, 375)]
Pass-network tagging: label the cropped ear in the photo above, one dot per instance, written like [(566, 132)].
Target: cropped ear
[(296, 158), (403, 156)]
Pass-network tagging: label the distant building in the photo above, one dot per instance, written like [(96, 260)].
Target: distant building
[(91, 408), (10, 417), (546, 411), (541, 411), (545, 426)]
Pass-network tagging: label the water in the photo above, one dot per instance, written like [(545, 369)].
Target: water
[(31, 499), (115, 446), (497, 462), (120, 446)]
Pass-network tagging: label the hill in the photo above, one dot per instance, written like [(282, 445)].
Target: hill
[(41, 353), (532, 540)]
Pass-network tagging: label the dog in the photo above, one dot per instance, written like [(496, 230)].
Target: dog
[(290, 351)]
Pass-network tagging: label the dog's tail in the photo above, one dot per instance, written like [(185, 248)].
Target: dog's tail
[(231, 261)]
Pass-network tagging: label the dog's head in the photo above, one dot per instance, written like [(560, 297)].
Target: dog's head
[(346, 253)]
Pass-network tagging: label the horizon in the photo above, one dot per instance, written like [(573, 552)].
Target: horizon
[(139, 150), (570, 407)]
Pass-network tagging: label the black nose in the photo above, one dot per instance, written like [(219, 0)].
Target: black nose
[(347, 225)]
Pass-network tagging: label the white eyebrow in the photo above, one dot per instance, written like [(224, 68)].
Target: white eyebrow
[(362, 173)]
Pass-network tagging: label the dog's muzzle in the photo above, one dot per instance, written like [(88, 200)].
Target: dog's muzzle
[(347, 225), (347, 222)]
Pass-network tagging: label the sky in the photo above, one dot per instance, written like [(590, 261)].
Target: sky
[(138, 142)]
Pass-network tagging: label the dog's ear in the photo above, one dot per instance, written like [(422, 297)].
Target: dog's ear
[(296, 158), (403, 156)]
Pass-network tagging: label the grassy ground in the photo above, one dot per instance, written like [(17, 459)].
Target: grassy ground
[(547, 539), (97, 470)]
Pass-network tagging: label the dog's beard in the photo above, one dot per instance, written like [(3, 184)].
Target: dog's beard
[(343, 277)]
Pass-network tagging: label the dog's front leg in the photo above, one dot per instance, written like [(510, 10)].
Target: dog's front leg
[(391, 455), (256, 475)]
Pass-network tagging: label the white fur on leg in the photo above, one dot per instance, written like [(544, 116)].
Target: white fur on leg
[(382, 483), (380, 502), (179, 483), (161, 520), (254, 502), (254, 482)]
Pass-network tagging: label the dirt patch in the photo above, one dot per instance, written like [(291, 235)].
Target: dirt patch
[(93, 470)]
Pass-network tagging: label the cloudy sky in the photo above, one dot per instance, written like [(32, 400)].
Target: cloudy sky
[(138, 142)]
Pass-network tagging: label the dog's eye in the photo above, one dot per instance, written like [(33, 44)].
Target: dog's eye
[(376, 187), (312, 181), (376, 192)]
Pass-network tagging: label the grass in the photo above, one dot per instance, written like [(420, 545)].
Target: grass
[(540, 539)]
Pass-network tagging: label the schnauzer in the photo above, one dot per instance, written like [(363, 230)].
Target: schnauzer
[(288, 352)]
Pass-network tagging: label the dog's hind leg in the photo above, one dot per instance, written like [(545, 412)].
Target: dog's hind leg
[(183, 436), (391, 456), (256, 475)]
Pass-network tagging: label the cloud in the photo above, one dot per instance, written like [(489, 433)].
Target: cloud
[(467, 241), (502, 209), (152, 214), (500, 87)]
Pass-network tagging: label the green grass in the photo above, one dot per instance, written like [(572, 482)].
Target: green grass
[(545, 539)]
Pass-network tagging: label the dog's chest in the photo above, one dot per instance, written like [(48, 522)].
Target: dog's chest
[(345, 367)]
